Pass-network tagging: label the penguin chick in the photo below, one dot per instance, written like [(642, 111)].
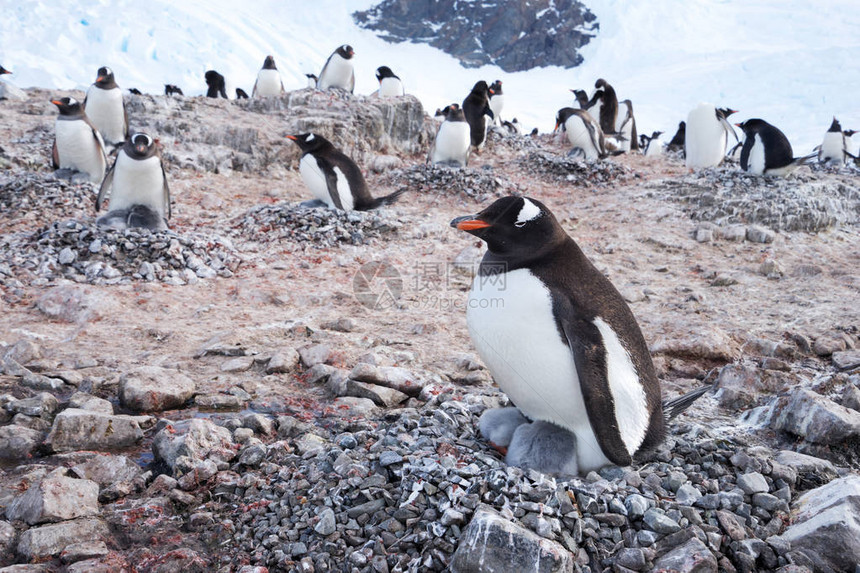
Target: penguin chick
[(216, 84), (334, 178), (77, 143)]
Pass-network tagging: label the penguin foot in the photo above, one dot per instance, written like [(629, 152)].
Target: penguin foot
[(65, 173), (497, 425), (545, 447), (313, 204)]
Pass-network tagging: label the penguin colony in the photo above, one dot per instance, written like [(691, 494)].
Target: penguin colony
[(564, 345)]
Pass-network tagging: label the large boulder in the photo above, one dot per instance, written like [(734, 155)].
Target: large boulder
[(152, 389), (196, 439), (55, 498), (50, 540), (76, 429)]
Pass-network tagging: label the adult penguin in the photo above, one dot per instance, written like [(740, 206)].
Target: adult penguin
[(78, 146), (476, 108), (104, 107), (452, 143), (582, 131), (338, 71), (608, 107), (767, 151), (834, 148), (269, 83)]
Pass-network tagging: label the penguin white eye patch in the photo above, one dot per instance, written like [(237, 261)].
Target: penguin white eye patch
[(529, 212)]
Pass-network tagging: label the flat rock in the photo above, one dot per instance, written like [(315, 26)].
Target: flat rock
[(380, 395), (86, 550), (282, 361), (818, 419), (753, 482), (83, 401), (18, 442), (803, 463), (76, 429), (222, 402), (197, 439), (401, 379), (349, 406), (42, 404), (691, 557), (50, 540), (314, 354), (106, 469), (698, 341), (846, 359), (491, 543), (240, 364), (55, 498), (152, 389)]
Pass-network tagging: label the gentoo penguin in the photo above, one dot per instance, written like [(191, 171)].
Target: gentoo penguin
[(241, 94), (767, 151), (497, 101), (138, 189), (268, 82), (584, 102), (834, 148), (217, 85), (626, 127), (562, 344), (312, 80), (582, 131), (677, 141), (105, 108), (77, 144), (452, 143), (655, 146), (476, 106), (706, 136), (333, 178), (338, 71), (4, 71), (609, 106), (170, 89), (389, 84), (135, 91)]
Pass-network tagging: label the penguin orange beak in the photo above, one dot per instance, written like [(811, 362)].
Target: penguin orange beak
[(492, 92), (293, 137), (738, 125), (100, 78), (469, 223), (56, 102)]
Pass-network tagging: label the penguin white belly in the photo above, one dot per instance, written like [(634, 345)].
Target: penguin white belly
[(105, 110), (594, 110), (511, 323), (655, 149), (338, 73), (137, 182), (705, 138), (391, 87), (452, 142), (77, 149), (832, 148), (497, 104), (756, 158), (314, 178), (579, 135), (268, 83)]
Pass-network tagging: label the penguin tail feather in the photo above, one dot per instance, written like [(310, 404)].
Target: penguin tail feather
[(381, 201), (672, 408), (807, 158)]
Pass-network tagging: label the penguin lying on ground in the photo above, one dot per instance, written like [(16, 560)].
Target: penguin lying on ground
[(78, 146), (105, 108), (269, 83), (834, 148), (476, 108), (216, 84), (452, 143), (767, 151), (561, 342), (583, 132), (389, 84), (138, 189), (338, 70), (333, 178)]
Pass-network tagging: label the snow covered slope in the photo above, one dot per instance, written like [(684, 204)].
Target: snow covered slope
[(791, 63)]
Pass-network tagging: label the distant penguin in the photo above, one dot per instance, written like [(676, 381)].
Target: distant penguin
[(608, 114), (389, 84), (767, 151), (583, 132), (269, 83), (497, 101), (241, 94), (338, 70), (834, 148), (217, 85), (677, 141), (333, 178), (706, 136), (77, 143), (585, 103), (105, 108), (452, 143), (137, 186), (476, 107), (135, 91), (4, 71), (626, 127), (562, 343), (312, 80), (655, 146), (170, 89)]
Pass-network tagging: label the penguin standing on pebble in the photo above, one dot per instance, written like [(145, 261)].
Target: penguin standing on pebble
[(497, 101), (583, 132), (767, 151), (476, 107), (269, 83), (626, 128), (77, 143), (452, 143), (338, 71), (706, 136), (389, 84), (137, 186), (834, 148), (105, 108), (333, 178), (677, 141)]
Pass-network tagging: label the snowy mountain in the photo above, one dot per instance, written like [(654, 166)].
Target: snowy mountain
[(792, 64)]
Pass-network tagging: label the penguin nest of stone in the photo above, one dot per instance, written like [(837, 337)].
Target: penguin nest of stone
[(84, 253), (803, 202), (40, 197), (559, 169), (317, 226), (478, 184)]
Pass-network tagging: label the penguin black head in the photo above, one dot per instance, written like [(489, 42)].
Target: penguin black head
[(725, 112), (269, 63), (849, 132), (481, 87), (213, 77), (517, 228), (67, 105), (835, 126), (383, 72), (496, 87), (140, 146), (752, 125), (656, 134), (346, 52), (562, 116), (310, 142), (601, 83), (4, 71), (104, 78)]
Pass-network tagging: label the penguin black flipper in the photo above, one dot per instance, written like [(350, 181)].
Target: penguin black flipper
[(596, 139), (488, 111), (166, 190), (327, 168), (105, 186), (55, 156), (589, 355)]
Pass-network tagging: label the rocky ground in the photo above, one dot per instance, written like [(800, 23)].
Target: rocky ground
[(270, 387)]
